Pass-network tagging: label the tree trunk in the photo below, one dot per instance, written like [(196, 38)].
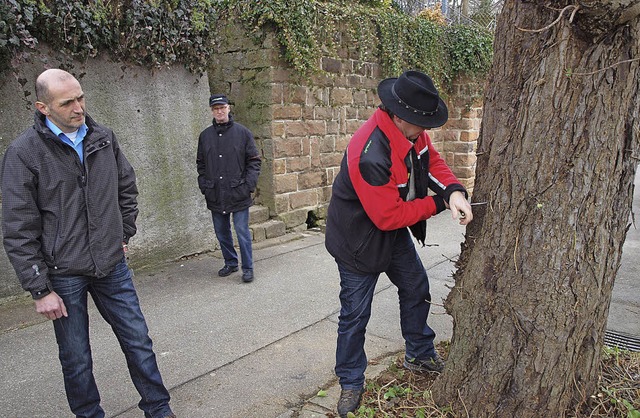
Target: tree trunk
[(557, 155)]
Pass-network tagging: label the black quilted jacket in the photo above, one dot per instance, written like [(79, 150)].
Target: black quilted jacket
[(60, 216)]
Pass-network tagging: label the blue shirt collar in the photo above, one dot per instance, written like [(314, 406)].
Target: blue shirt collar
[(82, 131)]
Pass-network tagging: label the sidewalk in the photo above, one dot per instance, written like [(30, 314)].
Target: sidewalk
[(225, 348), (228, 349)]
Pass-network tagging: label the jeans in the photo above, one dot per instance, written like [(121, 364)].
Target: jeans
[(407, 273), (117, 301), (222, 226)]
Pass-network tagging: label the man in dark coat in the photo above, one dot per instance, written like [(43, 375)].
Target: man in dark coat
[(69, 206), (228, 167)]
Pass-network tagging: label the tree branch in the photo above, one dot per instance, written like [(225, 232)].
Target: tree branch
[(549, 26)]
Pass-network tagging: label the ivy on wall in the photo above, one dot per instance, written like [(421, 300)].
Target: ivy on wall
[(155, 33)]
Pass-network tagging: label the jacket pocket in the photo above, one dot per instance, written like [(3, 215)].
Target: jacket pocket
[(239, 190), (373, 253), (208, 188)]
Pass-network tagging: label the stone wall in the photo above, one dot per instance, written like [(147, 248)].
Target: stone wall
[(303, 125)]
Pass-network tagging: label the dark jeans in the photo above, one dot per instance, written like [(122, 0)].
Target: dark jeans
[(222, 226), (407, 273), (117, 301)]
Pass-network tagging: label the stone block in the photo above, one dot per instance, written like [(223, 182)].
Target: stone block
[(353, 125), (331, 65), (287, 147), (280, 166), (294, 218), (303, 198), (258, 214), (469, 136), (258, 232), (312, 179), (275, 228), (296, 128), (461, 124), (298, 164), (327, 144), (316, 127), (285, 183), (277, 129), (288, 111), (360, 98), (341, 96), (331, 159), (295, 94), (464, 160), (282, 203)]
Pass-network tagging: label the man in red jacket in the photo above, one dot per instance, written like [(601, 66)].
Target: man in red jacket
[(378, 198)]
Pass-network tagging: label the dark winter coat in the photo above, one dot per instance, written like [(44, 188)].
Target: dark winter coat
[(63, 217), (228, 165)]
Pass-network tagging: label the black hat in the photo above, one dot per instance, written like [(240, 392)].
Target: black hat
[(413, 97), (218, 99)]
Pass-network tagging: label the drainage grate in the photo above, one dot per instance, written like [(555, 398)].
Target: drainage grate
[(613, 339)]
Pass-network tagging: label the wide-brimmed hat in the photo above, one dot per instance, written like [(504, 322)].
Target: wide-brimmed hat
[(414, 98)]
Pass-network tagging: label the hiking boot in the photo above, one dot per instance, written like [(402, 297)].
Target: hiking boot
[(349, 401), (434, 365), (227, 270), (247, 276)]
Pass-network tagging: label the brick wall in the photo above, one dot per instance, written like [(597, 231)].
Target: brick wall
[(302, 125)]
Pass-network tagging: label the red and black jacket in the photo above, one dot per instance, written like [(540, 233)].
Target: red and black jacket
[(368, 203)]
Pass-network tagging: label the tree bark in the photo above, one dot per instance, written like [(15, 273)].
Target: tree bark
[(557, 154)]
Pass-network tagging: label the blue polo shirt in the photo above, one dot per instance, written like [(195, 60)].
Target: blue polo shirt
[(77, 145)]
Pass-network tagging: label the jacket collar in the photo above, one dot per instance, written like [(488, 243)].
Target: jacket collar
[(41, 127), (395, 136)]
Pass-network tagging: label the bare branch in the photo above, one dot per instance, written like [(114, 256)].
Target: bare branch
[(549, 26), (606, 68)]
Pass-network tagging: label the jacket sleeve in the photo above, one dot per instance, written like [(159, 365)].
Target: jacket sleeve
[(253, 162), (21, 220), (127, 193), (201, 163)]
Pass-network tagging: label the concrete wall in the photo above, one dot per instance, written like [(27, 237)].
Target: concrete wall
[(157, 117)]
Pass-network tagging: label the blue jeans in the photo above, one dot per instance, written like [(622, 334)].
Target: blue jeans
[(407, 273), (117, 301), (222, 226)]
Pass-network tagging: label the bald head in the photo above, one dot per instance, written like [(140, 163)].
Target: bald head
[(61, 99), (46, 79)]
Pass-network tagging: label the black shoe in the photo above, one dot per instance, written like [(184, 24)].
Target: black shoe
[(227, 270), (434, 364), (247, 276), (349, 401)]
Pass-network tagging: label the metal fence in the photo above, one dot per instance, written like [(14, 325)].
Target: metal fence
[(470, 12)]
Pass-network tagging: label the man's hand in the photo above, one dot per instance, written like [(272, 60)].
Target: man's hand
[(51, 306), (460, 208)]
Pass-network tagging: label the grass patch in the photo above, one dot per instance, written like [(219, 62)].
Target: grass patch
[(399, 393)]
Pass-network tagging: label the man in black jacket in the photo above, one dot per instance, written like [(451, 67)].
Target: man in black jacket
[(69, 205), (228, 167)]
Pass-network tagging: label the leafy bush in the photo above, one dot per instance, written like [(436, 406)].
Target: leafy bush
[(156, 33)]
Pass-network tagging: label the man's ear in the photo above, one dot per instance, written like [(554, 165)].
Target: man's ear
[(43, 108)]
